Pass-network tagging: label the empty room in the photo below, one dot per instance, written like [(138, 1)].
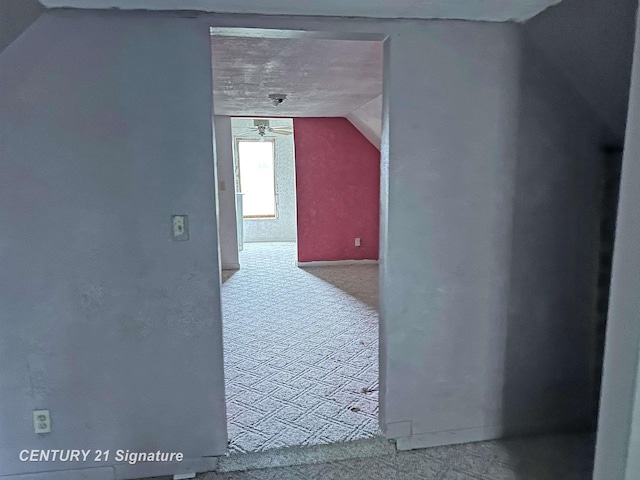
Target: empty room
[(299, 240)]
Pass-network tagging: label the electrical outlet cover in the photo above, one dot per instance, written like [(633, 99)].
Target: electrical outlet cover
[(179, 227), (41, 421)]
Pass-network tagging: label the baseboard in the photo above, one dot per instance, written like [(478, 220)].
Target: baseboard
[(144, 470), (270, 240), (481, 434), (451, 437), (335, 263), (98, 473), (124, 471), (230, 266)]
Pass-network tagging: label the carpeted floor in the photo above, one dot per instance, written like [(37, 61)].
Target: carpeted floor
[(553, 457), (301, 351)]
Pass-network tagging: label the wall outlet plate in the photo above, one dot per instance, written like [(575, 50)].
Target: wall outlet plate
[(41, 421), (179, 227)]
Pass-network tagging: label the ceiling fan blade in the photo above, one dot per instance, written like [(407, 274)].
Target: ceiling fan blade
[(281, 131), (251, 131)]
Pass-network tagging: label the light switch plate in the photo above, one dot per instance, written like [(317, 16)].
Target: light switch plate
[(180, 227), (41, 421)]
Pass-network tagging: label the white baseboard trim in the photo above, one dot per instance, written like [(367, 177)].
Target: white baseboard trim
[(480, 434), (270, 240), (125, 471), (451, 437), (335, 263), (144, 470), (98, 473)]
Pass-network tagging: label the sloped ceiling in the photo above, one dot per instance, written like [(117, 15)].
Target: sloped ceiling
[(592, 42), (15, 17), (490, 10), (368, 119)]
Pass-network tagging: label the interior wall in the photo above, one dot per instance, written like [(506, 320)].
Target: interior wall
[(452, 130), (338, 191), (591, 42), (619, 423), (282, 228), (124, 115), (227, 220), (105, 133), (15, 17), (554, 251)]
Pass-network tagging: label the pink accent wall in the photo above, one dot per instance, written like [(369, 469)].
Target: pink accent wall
[(337, 190)]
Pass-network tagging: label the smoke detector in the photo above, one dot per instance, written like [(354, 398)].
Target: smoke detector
[(277, 98)]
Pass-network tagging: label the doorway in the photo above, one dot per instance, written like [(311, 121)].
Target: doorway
[(300, 315)]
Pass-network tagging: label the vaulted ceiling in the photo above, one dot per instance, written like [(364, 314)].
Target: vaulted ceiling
[(490, 10)]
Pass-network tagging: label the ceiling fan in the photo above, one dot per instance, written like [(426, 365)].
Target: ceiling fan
[(262, 128)]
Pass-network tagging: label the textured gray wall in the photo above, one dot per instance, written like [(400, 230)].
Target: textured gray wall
[(550, 333), (228, 227), (591, 42), (15, 17), (121, 141), (619, 424), (105, 132), (445, 271), (282, 228)]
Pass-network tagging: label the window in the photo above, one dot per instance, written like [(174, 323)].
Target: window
[(257, 178)]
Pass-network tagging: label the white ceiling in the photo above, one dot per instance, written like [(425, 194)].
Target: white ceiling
[(491, 10), (321, 78)]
